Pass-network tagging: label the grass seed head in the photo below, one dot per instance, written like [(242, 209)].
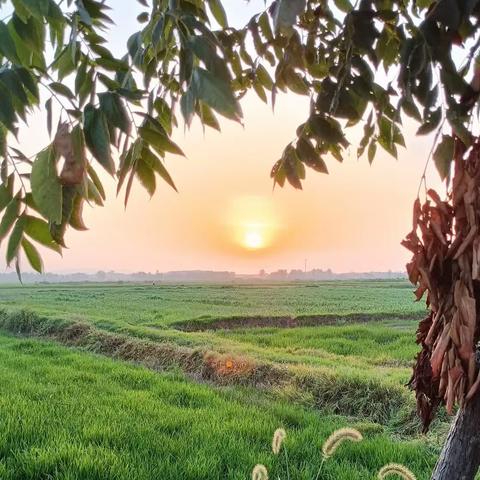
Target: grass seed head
[(278, 438), (396, 469), (337, 438), (259, 473)]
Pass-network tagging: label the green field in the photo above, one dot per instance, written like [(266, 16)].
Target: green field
[(347, 364), (384, 346)]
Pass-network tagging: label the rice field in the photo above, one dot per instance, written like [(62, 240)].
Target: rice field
[(72, 414)]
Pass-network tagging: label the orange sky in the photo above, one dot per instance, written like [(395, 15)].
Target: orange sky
[(350, 220)]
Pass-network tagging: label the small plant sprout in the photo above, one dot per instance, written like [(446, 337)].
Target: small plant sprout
[(278, 438), (396, 469), (259, 473), (337, 438)]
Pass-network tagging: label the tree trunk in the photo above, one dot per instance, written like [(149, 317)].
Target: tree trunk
[(460, 457)]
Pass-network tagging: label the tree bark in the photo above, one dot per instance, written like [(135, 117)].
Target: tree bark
[(460, 457)]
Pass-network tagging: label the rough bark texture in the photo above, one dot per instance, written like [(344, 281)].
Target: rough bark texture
[(460, 457)]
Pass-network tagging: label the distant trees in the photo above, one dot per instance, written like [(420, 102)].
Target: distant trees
[(371, 64)]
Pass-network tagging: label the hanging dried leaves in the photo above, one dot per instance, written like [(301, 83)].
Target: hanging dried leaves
[(71, 146), (445, 242)]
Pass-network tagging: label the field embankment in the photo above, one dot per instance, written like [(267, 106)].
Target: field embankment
[(265, 321), (367, 398)]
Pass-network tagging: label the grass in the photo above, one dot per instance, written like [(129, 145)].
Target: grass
[(369, 360), (68, 414), (309, 379), (361, 396), (344, 369), (152, 312), (162, 305)]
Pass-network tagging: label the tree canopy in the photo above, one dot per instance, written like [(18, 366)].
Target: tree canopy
[(185, 61)]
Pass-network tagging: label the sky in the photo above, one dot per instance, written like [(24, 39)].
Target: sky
[(226, 215)]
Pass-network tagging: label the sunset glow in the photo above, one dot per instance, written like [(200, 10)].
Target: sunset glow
[(253, 221), (253, 240)]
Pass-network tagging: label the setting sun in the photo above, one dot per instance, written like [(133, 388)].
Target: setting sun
[(253, 222), (253, 240)]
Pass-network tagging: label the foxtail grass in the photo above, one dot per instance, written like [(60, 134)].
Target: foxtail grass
[(259, 473), (395, 469)]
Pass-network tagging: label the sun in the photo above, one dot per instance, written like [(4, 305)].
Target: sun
[(253, 240), (252, 223)]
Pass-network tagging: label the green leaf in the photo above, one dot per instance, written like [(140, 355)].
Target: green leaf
[(46, 187), (62, 89), (431, 123), (29, 82), (66, 60), (343, 5), (12, 83), (462, 131), (207, 117), (5, 196), (218, 12), (264, 24), (38, 8), (278, 173), (81, 76), (264, 77), (38, 229), (294, 169), (48, 108), (215, 93), (327, 130), (97, 137), (206, 50), (15, 239), (146, 176), (83, 13), (386, 139), (9, 217), (96, 181), (21, 11), (93, 193), (85, 89), (31, 32), (286, 13), (308, 155), (112, 106), (409, 107), (295, 82), (159, 141), (260, 91), (443, 155), (128, 160), (187, 105), (157, 165), (32, 255), (58, 229), (143, 17), (7, 45), (372, 150), (7, 110)]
